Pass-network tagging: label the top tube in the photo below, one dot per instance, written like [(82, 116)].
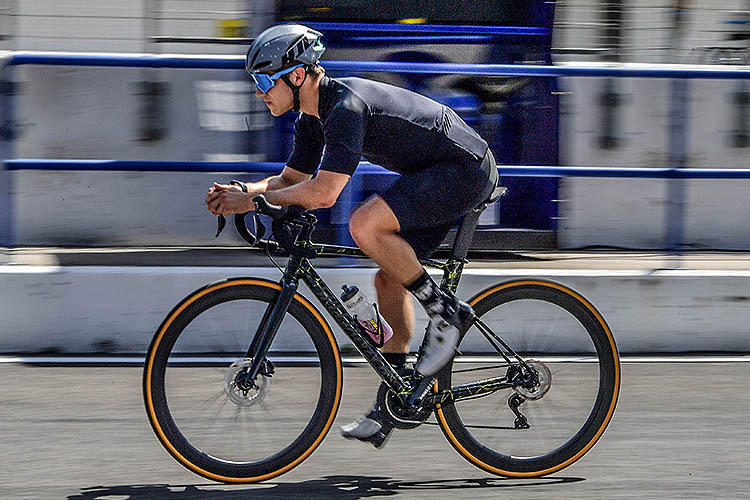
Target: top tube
[(324, 250)]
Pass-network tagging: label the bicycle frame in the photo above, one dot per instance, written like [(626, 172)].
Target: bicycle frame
[(300, 268)]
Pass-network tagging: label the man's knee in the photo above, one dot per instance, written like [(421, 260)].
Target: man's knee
[(384, 283), (371, 219), (359, 225), (362, 231)]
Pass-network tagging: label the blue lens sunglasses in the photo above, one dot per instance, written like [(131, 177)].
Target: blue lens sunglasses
[(266, 82)]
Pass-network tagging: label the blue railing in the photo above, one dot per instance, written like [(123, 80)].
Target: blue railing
[(237, 62), (366, 168), (419, 28), (373, 34), (677, 124)]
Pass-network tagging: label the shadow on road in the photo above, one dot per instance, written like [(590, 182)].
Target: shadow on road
[(339, 487)]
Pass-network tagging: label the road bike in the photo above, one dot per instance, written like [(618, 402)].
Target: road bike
[(243, 379)]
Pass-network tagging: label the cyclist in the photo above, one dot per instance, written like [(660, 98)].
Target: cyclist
[(446, 170)]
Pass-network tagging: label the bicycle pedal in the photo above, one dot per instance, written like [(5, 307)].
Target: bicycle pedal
[(379, 439)]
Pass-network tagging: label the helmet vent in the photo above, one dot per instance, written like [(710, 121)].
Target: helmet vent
[(295, 50)]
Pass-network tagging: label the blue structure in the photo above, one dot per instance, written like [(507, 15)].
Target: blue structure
[(677, 126), (518, 116)]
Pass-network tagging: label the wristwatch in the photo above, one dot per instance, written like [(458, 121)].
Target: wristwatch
[(241, 185)]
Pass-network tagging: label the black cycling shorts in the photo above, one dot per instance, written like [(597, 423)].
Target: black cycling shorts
[(430, 202)]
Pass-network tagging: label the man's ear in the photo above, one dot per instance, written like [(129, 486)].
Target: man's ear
[(299, 75)]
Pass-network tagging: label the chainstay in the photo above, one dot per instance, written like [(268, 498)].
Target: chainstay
[(466, 391)]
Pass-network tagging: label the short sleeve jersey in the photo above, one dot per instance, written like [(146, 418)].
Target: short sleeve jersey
[(393, 127)]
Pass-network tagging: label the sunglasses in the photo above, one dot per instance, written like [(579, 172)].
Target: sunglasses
[(266, 82)]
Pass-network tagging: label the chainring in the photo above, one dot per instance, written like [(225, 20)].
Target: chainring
[(396, 414)]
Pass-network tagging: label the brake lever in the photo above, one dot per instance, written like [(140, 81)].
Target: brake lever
[(276, 212), (221, 221), (260, 229)]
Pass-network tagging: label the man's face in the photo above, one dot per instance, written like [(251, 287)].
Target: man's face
[(280, 97)]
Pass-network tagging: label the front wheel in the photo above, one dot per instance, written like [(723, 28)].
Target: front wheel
[(206, 412), (543, 427)]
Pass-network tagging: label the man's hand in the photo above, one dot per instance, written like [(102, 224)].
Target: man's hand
[(228, 199)]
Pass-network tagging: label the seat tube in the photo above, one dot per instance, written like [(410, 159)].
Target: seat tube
[(452, 275), (268, 329)]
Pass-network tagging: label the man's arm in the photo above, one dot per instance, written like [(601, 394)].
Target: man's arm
[(320, 192), (226, 199), (287, 178), (290, 188)]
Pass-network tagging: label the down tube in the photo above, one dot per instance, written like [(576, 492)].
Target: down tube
[(350, 328)]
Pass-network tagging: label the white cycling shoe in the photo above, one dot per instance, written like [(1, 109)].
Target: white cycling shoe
[(368, 429), (372, 427), (442, 339)]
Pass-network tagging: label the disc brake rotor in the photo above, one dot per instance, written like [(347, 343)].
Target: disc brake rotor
[(245, 396), (544, 381)]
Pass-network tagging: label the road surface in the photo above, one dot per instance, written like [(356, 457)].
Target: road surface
[(680, 431)]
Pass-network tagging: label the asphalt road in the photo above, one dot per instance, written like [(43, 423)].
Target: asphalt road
[(680, 431)]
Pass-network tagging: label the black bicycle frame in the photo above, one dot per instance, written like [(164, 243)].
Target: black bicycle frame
[(452, 268), (300, 268)]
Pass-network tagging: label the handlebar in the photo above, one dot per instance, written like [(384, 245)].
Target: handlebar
[(276, 212), (282, 218)]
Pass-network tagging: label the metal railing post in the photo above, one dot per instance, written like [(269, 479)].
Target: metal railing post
[(675, 213), (7, 236)]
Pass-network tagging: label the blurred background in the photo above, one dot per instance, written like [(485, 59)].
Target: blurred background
[(64, 215), (93, 254), (212, 115)]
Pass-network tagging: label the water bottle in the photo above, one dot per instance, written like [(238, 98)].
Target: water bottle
[(367, 315)]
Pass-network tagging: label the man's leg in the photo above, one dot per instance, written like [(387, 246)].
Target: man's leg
[(396, 306), (375, 228)]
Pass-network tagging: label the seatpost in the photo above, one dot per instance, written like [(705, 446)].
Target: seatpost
[(457, 259), (466, 233)]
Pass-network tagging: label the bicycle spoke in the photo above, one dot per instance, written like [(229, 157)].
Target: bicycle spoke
[(213, 422), (519, 331)]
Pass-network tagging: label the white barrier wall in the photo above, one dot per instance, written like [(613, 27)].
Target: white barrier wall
[(118, 309)]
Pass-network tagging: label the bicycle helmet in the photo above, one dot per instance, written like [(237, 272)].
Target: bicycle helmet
[(278, 50)]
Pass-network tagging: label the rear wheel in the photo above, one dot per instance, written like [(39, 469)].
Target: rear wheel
[(569, 347), (204, 411)]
